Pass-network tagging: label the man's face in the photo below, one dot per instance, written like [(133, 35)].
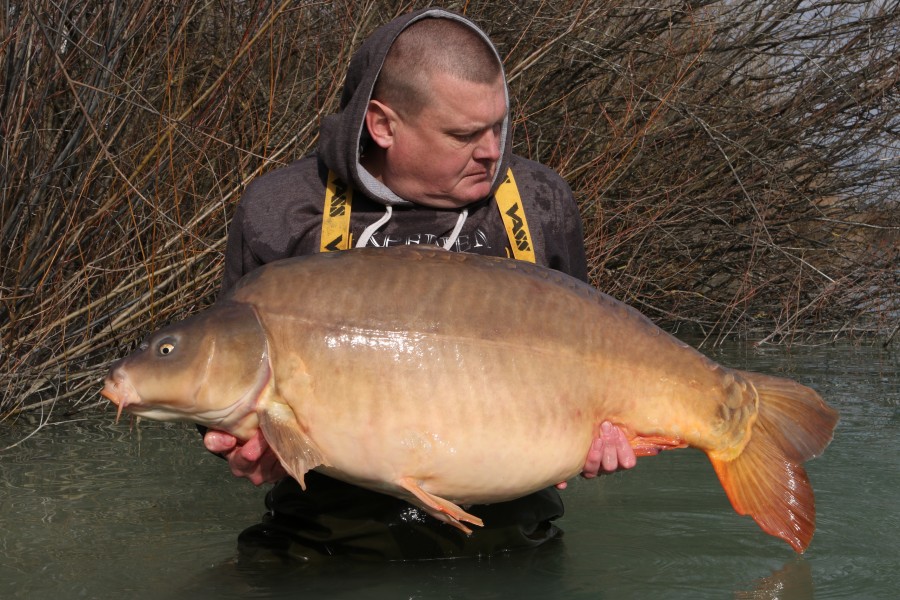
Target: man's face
[(446, 155)]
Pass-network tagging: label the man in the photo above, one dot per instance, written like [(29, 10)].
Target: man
[(420, 153)]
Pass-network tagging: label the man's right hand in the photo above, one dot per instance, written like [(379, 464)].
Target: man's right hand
[(254, 459)]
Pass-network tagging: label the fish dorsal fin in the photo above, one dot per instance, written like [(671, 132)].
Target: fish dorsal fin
[(293, 447)]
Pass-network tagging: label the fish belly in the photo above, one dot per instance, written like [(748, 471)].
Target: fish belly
[(476, 426)]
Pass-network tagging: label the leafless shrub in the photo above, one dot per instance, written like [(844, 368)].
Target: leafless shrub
[(736, 162)]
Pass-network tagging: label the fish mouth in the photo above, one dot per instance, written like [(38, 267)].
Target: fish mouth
[(118, 393)]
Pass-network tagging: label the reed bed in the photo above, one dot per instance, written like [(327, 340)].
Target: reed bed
[(736, 162)]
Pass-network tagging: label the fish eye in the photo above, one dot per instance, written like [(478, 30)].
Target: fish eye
[(166, 348)]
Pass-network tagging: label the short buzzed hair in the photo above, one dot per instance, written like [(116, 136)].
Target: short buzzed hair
[(433, 45)]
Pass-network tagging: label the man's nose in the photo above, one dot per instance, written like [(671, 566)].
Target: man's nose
[(488, 147)]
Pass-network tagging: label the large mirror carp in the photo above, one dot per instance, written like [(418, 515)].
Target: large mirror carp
[(450, 379)]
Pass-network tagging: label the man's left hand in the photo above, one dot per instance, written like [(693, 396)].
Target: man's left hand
[(609, 452)]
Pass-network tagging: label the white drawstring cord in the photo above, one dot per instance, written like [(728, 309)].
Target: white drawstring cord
[(464, 213), (369, 231)]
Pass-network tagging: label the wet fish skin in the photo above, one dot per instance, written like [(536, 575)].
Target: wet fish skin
[(450, 379)]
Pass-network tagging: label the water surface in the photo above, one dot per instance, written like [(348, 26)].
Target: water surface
[(91, 509)]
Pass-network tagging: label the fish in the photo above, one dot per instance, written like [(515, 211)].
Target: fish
[(450, 379)]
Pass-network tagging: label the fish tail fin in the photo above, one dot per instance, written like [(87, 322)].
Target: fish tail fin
[(767, 480)]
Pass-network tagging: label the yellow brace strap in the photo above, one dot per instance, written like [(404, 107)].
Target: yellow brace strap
[(336, 219), (513, 214)]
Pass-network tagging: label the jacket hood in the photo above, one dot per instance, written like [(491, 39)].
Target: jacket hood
[(343, 135)]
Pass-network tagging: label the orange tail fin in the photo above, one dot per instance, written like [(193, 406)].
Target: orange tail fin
[(767, 480)]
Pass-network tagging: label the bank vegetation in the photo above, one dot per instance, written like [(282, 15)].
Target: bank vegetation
[(736, 162)]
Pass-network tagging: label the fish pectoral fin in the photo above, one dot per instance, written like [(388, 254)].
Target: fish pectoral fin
[(293, 447), (439, 508)]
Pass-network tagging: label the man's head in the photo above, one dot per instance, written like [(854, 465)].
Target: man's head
[(436, 115), (427, 47)]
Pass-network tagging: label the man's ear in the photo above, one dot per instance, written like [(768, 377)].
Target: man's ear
[(381, 120)]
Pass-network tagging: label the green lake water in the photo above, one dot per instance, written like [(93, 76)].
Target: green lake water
[(94, 509)]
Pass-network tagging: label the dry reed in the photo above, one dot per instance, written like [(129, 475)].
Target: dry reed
[(736, 162)]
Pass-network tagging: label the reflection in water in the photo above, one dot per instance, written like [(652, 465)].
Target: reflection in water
[(93, 509), (533, 573), (793, 581)]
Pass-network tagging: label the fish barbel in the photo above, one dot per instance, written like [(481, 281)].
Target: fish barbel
[(449, 379)]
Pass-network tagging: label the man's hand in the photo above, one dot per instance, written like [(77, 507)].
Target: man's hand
[(609, 452), (254, 460)]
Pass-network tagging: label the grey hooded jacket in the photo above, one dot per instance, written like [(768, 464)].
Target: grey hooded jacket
[(280, 214)]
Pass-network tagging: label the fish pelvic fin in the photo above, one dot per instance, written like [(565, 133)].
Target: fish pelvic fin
[(767, 480), (291, 444), (438, 507)]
